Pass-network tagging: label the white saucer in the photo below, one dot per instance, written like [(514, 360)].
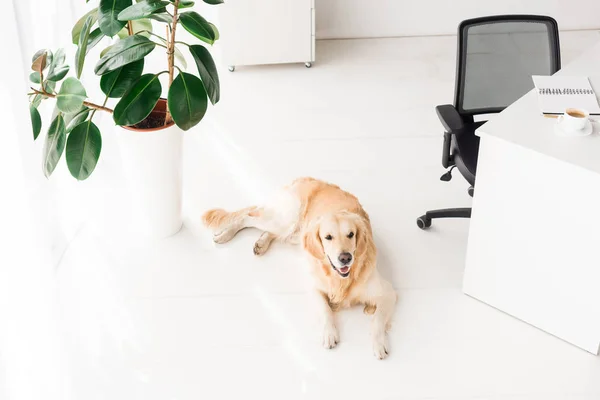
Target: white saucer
[(587, 130)]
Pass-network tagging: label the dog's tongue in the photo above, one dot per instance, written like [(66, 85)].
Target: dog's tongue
[(344, 270)]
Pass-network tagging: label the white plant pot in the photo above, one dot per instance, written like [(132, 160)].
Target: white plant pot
[(152, 167)]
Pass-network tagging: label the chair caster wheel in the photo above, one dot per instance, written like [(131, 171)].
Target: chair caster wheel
[(423, 222), (231, 68), (308, 65), (471, 191)]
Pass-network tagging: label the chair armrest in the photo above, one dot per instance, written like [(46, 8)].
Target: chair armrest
[(449, 117)]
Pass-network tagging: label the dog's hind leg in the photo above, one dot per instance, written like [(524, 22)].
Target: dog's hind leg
[(277, 220), (224, 224), (262, 244)]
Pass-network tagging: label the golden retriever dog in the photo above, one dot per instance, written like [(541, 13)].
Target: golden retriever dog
[(335, 231)]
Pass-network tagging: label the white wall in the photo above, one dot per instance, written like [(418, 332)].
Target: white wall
[(384, 18)]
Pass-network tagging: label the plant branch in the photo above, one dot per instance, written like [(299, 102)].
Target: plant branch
[(171, 54), (85, 103), (184, 43), (103, 104)]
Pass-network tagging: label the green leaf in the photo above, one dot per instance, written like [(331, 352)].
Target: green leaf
[(195, 24), (58, 73), (36, 121), (83, 150), (143, 9), (71, 96), (95, 37), (216, 31), (208, 72), (125, 51), (37, 100), (76, 31), (82, 46), (213, 2), (184, 3), (57, 70), (106, 50), (139, 101), (54, 146), (49, 86), (116, 83), (56, 61), (138, 25), (187, 100), (50, 57), (166, 18), (107, 16), (74, 119), (59, 58), (178, 55), (35, 77)]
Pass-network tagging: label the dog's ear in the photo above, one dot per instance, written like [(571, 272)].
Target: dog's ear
[(364, 245), (312, 242)]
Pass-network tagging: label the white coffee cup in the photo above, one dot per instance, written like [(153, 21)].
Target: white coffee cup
[(574, 120)]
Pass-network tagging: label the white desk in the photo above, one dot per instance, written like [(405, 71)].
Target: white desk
[(534, 240)]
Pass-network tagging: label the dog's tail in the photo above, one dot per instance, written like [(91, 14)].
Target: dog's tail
[(218, 217)]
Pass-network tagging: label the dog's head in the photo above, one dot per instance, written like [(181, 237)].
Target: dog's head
[(337, 239)]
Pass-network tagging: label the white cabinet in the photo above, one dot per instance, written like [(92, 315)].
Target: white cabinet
[(267, 32)]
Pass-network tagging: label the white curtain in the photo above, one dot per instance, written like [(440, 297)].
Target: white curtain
[(62, 205), (33, 363), (39, 217)]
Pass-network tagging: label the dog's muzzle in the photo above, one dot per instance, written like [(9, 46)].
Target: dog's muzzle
[(344, 271)]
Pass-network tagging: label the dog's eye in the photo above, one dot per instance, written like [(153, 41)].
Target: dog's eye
[(328, 237), (350, 235)]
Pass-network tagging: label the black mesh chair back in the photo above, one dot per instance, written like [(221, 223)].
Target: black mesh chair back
[(497, 57)]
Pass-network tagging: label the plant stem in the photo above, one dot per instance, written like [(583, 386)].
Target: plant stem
[(42, 80), (171, 55), (129, 28), (96, 109), (85, 103)]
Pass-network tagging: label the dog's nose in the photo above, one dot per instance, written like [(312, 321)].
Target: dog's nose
[(345, 258)]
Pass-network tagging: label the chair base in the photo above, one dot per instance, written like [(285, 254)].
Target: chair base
[(424, 221)]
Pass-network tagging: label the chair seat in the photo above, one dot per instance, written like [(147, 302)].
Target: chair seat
[(466, 150)]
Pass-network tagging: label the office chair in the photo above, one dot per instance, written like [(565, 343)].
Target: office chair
[(496, 58)]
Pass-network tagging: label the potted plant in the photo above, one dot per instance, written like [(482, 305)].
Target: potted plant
[(149, 127)]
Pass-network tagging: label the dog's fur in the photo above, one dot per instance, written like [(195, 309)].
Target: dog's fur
[(329, 222)]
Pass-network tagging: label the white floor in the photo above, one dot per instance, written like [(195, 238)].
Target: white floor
[(183, 319)]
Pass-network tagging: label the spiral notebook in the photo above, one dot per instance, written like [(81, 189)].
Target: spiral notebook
[(557, 93)]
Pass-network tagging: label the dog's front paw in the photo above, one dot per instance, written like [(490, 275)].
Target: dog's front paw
[(380, 347), (331, 336)]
